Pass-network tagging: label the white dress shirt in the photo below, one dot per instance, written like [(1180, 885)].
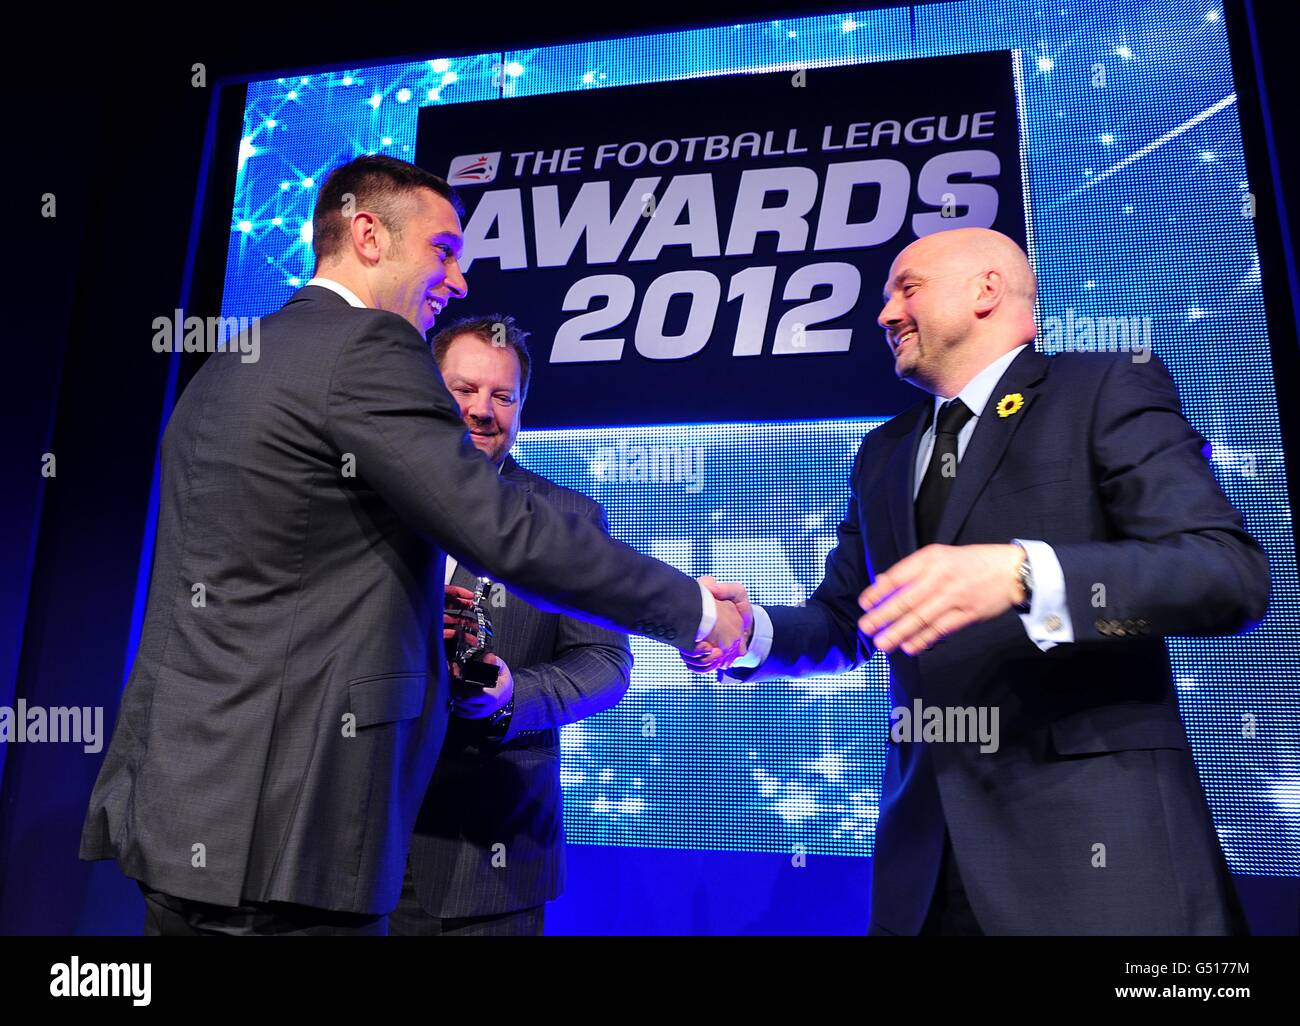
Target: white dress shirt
[(1048, 620), (710, 607), (342, 290)]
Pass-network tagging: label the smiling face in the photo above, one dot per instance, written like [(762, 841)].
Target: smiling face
[(419, 271), (485, 382), (954, 302), (927, 311)]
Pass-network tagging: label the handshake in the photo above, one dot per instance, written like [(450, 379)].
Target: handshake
[(731, 635), (911, 607)]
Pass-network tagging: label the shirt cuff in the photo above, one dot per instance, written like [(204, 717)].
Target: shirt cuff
[(710, 618), (1048, 621), (760, 645)]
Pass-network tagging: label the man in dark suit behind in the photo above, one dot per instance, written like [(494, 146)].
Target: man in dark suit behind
[(1021, 543), (488, 847), (287, 703)]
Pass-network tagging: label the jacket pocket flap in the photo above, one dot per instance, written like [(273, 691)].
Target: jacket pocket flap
[(385, 698), (1118, 728), (1028, 478)]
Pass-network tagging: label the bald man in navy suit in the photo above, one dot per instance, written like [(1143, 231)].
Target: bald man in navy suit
[(1021, 542)]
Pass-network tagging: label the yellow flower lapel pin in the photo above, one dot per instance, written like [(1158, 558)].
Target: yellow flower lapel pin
[(1010, 404)]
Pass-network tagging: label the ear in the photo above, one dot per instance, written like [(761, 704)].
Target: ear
[(992, 286), (369, 236)]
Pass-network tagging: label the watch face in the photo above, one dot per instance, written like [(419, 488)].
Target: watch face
[(1026, 576)]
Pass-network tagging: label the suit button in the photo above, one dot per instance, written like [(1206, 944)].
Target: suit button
[(1053, 623)]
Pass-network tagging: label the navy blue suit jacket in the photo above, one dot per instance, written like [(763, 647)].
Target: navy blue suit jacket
[(1089, 817)]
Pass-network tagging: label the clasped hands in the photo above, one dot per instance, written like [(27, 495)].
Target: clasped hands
[(912, 606), (731, 635)]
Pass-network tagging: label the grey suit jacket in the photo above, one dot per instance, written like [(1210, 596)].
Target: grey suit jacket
[(286, 706), (508, 794)]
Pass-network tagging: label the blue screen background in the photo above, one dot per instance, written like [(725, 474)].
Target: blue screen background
[(1140, 206)]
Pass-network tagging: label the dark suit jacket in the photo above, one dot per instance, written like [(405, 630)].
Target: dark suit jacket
[(1100, 464), (275, 739), (486, 794)]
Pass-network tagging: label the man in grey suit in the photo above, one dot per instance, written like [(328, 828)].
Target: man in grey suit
[(488, 848), (286, 706)]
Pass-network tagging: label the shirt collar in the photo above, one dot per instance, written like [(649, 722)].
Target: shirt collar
[(975, 396), (341, 290), (351, 297)]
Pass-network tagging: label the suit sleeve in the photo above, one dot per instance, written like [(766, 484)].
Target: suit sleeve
[(822, 637), (590, 673), (389, 408), (1181, 561)]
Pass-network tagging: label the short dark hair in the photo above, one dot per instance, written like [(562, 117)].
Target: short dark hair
[(495, 330), (375, 183)]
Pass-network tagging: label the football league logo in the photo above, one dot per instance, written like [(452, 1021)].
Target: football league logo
[(474, 169)]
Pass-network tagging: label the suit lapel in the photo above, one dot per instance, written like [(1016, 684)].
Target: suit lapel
[(988, 443), (900, 479), (462, 578), (504, 615)]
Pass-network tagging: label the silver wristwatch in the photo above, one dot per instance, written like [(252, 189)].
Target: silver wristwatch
[(1025, 574)]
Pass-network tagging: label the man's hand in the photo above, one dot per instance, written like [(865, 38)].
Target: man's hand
[(938, 590), (458, 602), (715, 652), (471, 703)]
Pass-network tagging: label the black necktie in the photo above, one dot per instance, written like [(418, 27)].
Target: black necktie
[(941, 471)]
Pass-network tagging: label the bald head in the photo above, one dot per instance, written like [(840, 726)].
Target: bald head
[(955, 301), (978, 250)]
